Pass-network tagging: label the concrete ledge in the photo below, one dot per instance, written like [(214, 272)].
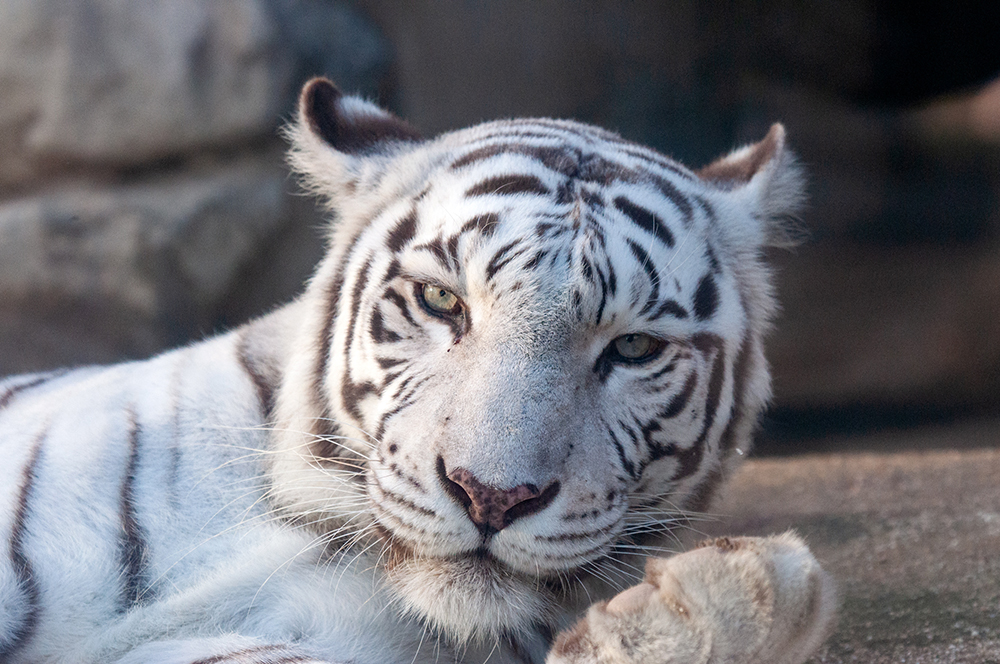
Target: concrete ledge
[(911, 535)]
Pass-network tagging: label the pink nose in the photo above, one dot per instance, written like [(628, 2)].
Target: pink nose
[(493, 509)]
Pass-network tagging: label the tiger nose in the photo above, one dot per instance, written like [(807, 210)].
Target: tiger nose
[(493, 509)]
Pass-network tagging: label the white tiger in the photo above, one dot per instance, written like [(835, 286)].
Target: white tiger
[(532, 352)]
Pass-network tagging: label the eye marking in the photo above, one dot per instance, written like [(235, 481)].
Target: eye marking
[(635, 348), (439, 301)]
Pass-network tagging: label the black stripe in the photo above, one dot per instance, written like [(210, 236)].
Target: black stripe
[(604, 295), (588, 269), (645, 220), (671, 366), (380, 430), (353, 393), (378, 330), (390, 377), (392, 271), (500, 259), (680, 400), (486, 224), (402, 233), (741, 373), (551, 230), (627, 465), (480, 154), (19, 561), (595, 168), (706, 298), (632, 434), (265, 391), (507, 185), (706, 208), (437, 249), (592, 198), (451, 247), (323, 424), (134, 554), (713, 261), (671, 307), (690, 459), (8, 394), (408, 395), (562, 160), (639, 152), (400, 302), (349, 392), (676, 197), (654, 277)]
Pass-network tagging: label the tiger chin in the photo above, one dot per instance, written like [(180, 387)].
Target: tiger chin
[(529, 357)]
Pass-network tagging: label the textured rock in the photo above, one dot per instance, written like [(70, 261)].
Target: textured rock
[(133, 243), (166, 254), (143, 198), (120, 83)]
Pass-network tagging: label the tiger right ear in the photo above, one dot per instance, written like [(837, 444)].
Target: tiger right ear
[(334, 135), (766, 178)]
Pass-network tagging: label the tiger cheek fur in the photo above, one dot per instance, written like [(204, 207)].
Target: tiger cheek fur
[(528, 357)]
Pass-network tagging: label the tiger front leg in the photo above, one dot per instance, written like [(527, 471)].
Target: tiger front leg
[(745, 600)]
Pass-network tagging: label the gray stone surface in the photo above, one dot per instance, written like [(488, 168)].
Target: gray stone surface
[(908, 522), (118, 83), (143, 196), (165, 254), (187, 235)]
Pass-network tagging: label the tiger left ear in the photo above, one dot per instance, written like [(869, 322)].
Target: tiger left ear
[(335, 137), (765, 175), (349, 124)]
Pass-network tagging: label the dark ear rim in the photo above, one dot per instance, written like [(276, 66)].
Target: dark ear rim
[(737, 169), (321, 109)]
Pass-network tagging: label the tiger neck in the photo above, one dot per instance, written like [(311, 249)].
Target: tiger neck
[(308, 481)]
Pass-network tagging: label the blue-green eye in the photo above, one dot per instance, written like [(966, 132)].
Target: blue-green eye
[(440, 300), (636, 347)]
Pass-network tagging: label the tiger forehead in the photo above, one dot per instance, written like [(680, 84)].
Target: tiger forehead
[(561, 182)]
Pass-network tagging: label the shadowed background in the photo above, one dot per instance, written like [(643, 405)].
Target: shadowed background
[(143, 199)]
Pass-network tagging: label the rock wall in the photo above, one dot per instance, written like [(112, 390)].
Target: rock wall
[(143, 197)]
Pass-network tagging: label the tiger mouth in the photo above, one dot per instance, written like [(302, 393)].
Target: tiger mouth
[(547, 566)]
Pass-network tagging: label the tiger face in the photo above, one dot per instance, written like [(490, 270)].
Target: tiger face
[(537, 349)]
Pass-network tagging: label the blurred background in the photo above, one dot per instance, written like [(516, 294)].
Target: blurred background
[(144, 201)]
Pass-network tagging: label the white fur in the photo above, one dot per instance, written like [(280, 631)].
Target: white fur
[(323, 530)]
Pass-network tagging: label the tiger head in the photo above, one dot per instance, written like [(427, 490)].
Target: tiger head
[(530, 354)]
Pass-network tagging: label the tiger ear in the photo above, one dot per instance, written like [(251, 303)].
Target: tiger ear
[(333, 135), (767, 177)]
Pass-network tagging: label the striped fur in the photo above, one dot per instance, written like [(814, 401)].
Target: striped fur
[(365, 476)]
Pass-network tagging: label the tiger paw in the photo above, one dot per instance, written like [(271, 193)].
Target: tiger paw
[(740, 600)]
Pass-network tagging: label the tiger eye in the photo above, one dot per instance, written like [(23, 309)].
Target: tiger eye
[(439, 299), (634, 346)]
